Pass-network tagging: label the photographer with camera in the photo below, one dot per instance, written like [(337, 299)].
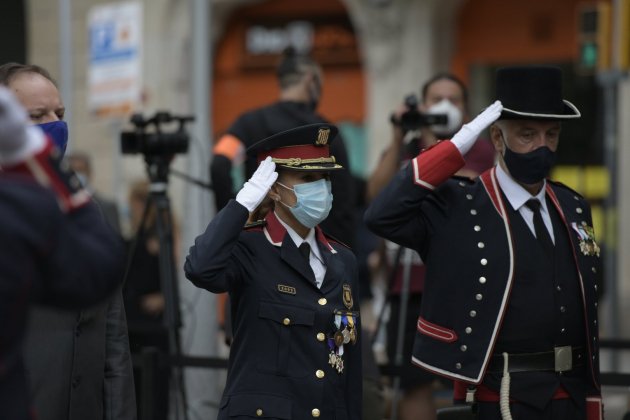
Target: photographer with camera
[(444, 95), (442, 112)]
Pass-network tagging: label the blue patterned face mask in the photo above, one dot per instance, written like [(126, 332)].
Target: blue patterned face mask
[(314, 201), (58, 132)]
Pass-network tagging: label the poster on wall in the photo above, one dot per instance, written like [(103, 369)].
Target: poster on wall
[(115, 58)]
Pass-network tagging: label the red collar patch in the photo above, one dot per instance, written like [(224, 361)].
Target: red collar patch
[(275, 232)]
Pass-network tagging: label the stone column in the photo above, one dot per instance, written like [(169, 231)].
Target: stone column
[(403, 43)]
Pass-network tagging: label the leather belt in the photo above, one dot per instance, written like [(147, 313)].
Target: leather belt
[(560, 359)]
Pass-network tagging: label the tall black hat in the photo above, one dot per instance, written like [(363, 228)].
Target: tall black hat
[(304, 148), (533, 92)]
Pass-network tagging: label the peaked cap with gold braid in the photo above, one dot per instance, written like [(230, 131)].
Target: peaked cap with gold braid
[(304, 148)]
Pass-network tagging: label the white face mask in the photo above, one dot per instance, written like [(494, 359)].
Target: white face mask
[(453, 118)]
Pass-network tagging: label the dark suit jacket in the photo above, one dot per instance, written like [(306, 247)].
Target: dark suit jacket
[(84, 370), (461, 230), (66, 260), (279, 355)]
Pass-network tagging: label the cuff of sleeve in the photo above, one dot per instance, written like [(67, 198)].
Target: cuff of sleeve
[(594, 408), (436, 164)]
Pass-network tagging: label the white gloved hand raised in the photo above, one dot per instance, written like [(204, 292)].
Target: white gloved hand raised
[(19, 139), (467, 135), (256, 189)]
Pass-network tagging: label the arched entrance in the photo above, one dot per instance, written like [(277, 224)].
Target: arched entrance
[(249, 50)]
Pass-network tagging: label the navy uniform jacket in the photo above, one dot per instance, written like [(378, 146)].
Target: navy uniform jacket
[(66, 260), (279, 357), (461, 230)]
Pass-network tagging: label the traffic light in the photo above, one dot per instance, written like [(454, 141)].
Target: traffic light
[(594, 37)]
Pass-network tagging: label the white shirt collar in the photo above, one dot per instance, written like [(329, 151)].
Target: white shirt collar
[(516, 194), (297, 239)]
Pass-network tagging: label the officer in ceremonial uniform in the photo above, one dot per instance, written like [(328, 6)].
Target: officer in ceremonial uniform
[(510, 304), (296, 352)]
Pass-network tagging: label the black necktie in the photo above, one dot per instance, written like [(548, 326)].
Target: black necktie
[(305, 250), (542, 234)]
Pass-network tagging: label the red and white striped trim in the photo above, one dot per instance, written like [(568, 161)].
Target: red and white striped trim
[(416, 176), (436, 164), (594, 408)]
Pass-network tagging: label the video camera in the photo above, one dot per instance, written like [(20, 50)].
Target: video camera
[(157, 142), (412, 119)]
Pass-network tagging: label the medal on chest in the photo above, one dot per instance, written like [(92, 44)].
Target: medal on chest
[(345, 332), (586, 236)]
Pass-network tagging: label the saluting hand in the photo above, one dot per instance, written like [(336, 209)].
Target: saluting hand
[(467, 135), (255, 190), (18, 138)]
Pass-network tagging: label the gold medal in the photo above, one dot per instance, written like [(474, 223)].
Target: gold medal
[(332, 359), (338, 337), (353, 329), (346, 336), (339, 365), (335, 361)]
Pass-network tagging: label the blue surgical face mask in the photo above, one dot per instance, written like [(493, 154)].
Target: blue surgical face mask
[(314, 201), (58, 132)]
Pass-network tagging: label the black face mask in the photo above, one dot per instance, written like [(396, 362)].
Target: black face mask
[(529, 168)]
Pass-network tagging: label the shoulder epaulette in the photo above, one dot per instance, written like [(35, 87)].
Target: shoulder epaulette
[(256, 224), (335, 240), (566, 187)]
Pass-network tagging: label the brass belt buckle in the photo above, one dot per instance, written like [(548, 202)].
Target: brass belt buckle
[(563, 358)]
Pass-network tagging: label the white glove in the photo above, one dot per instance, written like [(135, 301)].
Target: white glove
[(256, 189), (19, 139), (467, 135)]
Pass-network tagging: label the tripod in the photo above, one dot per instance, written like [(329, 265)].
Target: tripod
[(158, 170), (402, 263)]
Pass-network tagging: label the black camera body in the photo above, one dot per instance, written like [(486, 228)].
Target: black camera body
[(157, 142), (412, 119)]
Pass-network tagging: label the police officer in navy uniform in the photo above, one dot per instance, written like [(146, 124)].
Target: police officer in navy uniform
[(510, 306), (55, 247), (293, 289)]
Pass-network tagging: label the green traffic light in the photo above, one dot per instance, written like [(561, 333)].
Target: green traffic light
[(588, 54)]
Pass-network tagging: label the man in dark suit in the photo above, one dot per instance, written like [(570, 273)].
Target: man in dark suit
[(510, 306), (54, 246), (85, 370)]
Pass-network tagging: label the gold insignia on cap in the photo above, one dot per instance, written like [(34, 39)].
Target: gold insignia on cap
[(347, 296), (322, 137), (290, 290)]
